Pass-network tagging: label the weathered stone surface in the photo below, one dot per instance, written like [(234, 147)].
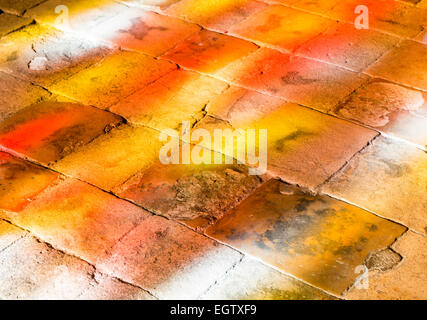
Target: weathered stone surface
[(344, 45), (196, 194), (388, 178), (21, 182), (318, 6), (406, 280), (111, 159), (144, 31), (390, 108), (170, 100), (307, 82), (79, 219), (385, 15), (9, 234), (215, 15), (44, 55), (422, 4), (252, 280), (208, 51), (240, 106), (79, 16), (32, 270), (18, 6), (305, 147), (169, 260), (102, 86), (108, 288), (405, 64), (281, 27), (49, 131), (10, 23), (315, 238), (16, 94)]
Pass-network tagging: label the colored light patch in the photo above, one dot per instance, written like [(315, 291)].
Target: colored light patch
[(80, 219), (282, 27), (208, 51), (170, 100), (315, 238), (389, 178), (49, 131), (144, 31), (102, 86), (111, 159), (310, 83), (215, 14), (21, 182)]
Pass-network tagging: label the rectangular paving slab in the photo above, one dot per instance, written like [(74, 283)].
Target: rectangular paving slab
[(11, 22), (388, 178), (313, 237), (21, 181), (9, 234), (44, 55), (311, 83), (390, 108), (303, 146), (102, 86), (79, 219), (169, 101), (30, 269), (144, 31), (49, 131), (18, 6), (252, 280), (281, 27), (111, 159), (195, 194), (215, 15), (209, 52), (16, 94), (169, 260)]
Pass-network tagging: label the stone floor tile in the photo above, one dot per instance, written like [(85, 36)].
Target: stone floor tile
[(79, 16), (305, 147), (311, 83), (422, 4), (144, 31), (390, 108), (208, 51), (405, 64), (169, 260), (49, 131), (406, 280), (217, 15), (252, 280), (21, 182), (33, 270), (170, 100), (342, 44), (195, 194), (281, 27), (10, 23), (16, 94), (315, 238), (102, 86), (111, 159), (389, 16), (18, 6), (108, 288), (44, 55), (79, 219), (318, 6), (389, 179), (9, 234)]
